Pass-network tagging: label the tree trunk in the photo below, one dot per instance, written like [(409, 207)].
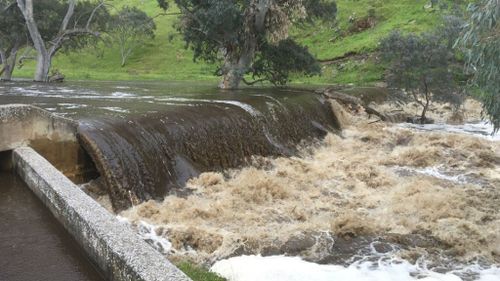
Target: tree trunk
[(426, 105), (424, 111), (9, 62), (45, 54), (232, 78), (234, 70), (43, 62)]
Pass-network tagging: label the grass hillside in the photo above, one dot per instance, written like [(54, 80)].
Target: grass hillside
[(165, 57)]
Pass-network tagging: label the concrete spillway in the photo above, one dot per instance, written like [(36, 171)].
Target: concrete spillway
[(147, 140), (144, 150)]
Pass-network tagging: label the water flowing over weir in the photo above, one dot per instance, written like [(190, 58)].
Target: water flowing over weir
[(143, 156), (148, 138)]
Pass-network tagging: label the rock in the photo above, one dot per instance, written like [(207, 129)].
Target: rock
[(382, 247), (418, 120), (298, 243), (397, 117), (56, 77)]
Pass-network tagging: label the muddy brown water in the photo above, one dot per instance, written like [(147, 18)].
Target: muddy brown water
[(33, 245), (148, 138)]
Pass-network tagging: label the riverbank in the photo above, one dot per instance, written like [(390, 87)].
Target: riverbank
[(166, 58)]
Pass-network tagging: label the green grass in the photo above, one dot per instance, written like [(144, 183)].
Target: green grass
[(198, 273), (165, 57)]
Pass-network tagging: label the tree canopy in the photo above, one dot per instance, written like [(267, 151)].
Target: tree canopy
[(421, 65), (13, 36), (250, 37), (129, 29), (481, 44)]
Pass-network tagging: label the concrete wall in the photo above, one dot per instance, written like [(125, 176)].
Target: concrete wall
[(114, 247), (20, 124), (52, 136)]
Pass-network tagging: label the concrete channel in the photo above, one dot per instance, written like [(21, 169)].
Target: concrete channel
[(118, 252)]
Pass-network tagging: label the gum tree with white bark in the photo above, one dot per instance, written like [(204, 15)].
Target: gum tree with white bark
[(73, 21), (129, 29)]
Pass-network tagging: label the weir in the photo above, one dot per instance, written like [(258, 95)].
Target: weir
[(145, 156), (141, 148)]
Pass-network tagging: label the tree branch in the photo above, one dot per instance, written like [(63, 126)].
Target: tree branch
[(67, 17), (253, 82), (89, 21)]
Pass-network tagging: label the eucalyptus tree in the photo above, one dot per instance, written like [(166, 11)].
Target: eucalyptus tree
[(250, 37), (481, 42), (55, 24), (13, 36), (421, 66), (129, 29)]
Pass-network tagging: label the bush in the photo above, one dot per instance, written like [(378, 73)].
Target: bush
[(422, 66)]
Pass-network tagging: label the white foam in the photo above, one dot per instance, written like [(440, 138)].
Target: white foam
[(481, 129), (27, 91), (246, 107), (115, 109), (72, 105), (122, 95), (280, 268), (435, 171), (61, 90), (148, 233)]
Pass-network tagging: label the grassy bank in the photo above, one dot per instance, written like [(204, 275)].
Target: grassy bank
[(165, 57), (198, 273)]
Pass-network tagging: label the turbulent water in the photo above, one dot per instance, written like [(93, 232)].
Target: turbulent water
[(377, 201), (145, 156), (428, 198)]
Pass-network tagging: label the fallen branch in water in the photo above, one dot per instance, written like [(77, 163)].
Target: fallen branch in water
[(352, 101)]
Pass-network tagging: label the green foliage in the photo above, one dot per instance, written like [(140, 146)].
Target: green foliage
[(48, 15), (322, 10), (12, 27), (232, 34), (276, 62), (207, 26), (421, 65), (129, 29), (198, 274), (165, 58), (481, 44)]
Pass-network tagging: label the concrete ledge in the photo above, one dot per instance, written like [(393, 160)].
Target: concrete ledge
[(21, 124), (52, 136), (115, 248)]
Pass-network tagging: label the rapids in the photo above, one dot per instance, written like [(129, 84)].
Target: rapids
[(429, 198), (225, 178)]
